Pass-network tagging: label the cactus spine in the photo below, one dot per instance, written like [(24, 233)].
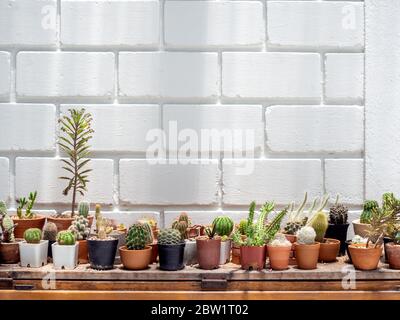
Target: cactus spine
[(306, 235), (33, 235), (66, 238), (50, 231), (320, 224), (83, 209), (223, 225), (137, 237), (169, 237)]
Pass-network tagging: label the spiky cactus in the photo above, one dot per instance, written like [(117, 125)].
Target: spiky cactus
[(66, 238), (83, 208), (242, 226), (50, 231), (149, 232), (169, 237), (306, 235), (137, 237), (98, 216), (8, 229), (3, 208), (319, 223), (182, 223), (293, 227), (223, 225), (338, 214), (33, 235), (369, 207), (80, 227)]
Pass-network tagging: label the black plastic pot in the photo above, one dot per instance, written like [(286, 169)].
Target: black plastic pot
[(49, 250), (385, 241), (346, 244), (171, 256), (339, 232), (102, 253)]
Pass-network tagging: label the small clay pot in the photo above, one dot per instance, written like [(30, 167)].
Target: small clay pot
[(329, 250), (361, 229), (154, 252), (83, 254), (365, 258), (252, 257), (135, 259), (393, 253), (24, 224), (235, 255), (339, 232), (307, 255), (9, 252), (208, 252), (292, 238), (61, 223), (102, 253), (279, 257)]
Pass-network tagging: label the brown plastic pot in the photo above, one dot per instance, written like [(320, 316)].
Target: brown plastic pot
[(24, 224), (393, 254), (279, 257), (252, 257), (135, 259), (61, 223), (9, 252), (329, 250), (365, 258), (83, 254), (235, 255), (307, 255), (208, 252)]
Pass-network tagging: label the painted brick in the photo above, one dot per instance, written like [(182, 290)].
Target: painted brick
[(168, 76), (205, 24), (28, 127), (266, 75), (345, 177), (121, 127), (312, 24), (142, 182), (221, 123), (5, 76), (110, 23), (65, 75), (279, 180), (28, 23), (42, 174), (4, 179), (344, 77), (130, 217), (315, 128)]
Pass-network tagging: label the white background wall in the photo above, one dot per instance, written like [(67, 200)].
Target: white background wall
[(292, 70)]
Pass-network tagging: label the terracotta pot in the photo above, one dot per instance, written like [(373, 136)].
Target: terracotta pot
[(329, 250), (83, 253), (24, 224), (361, 229), (155, 231), (307, 255), (365, 258), (252, 257), (292, 238), (135, 259), (154, 252), (339, 232), (279, 257), (208, 252), (9, 252), (393, 253), (61, 223), (235, 255)]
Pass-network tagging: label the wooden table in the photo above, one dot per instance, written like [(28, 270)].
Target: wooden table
[(228, 282)]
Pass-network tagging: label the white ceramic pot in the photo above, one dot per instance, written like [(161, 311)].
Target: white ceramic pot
[(33, 255), (361, 229), (225, 255), (190, 253), (65, 256)]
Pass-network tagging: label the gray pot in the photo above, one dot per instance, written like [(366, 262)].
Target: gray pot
[(190, 253), (225, 255)]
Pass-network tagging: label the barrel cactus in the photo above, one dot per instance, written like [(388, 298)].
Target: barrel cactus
[(66, 238), (223, 225), (80, 227), (306, 235), (8, 229), (338, 214), (33, 235), (319, 222), (169, 237), (137, 237), (50, 231), (369, 207), (83, 209), (182, 223)]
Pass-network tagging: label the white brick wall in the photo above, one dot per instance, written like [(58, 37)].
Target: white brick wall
[(5, 75), (4, 179)]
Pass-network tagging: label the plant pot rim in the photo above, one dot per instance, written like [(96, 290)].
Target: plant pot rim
[(392, 244), (245, 246), (16, 241), (340, 224), (172, 245), (37, 217), (328, 241), (111, 239), (287, 246), (205, 238), (357, 221), (315, 244), (362, 246), (60, 218), (56, 244), (38, 243), (125, 249)]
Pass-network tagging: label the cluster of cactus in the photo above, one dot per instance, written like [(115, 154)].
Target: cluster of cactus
[(169, 237), (223, 225), (137, 237), (22, 202), (66, 238), (280, 241), (102, 227), (50, 231), (80, 227), (8, 226), (83, 209), (306, 235), (182, 223), (33, 235), (369, 207), (338, 213), (319, 222), (242, 226)]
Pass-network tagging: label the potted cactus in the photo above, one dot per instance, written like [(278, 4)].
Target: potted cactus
[(279, 250), (223, 228), (26, 218), (80, 227), (338, 225), (33, 250), (50, 234), (136, 254), (9, 247), (362, 226), (307, 249), (182, 224), (238, 236), (65, 251), (75, 134), (170, 250), (209, 249)]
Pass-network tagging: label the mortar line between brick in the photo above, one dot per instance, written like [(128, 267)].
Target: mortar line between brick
[(365, 106), (12, 179)]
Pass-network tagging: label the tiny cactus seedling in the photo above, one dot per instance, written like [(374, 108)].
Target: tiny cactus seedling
[(306, 235), (33, 235), (319, 223), (223, 225), (50, 231), (83, 209), (66, 238), (169, 237), (137, 237), (80, 227)]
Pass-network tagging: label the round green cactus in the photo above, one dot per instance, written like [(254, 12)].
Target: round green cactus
[(320, 224), (223, 225), (50, 231), (137, 237), (83, 209), (169, 237), (66, 238), (33, 235)]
